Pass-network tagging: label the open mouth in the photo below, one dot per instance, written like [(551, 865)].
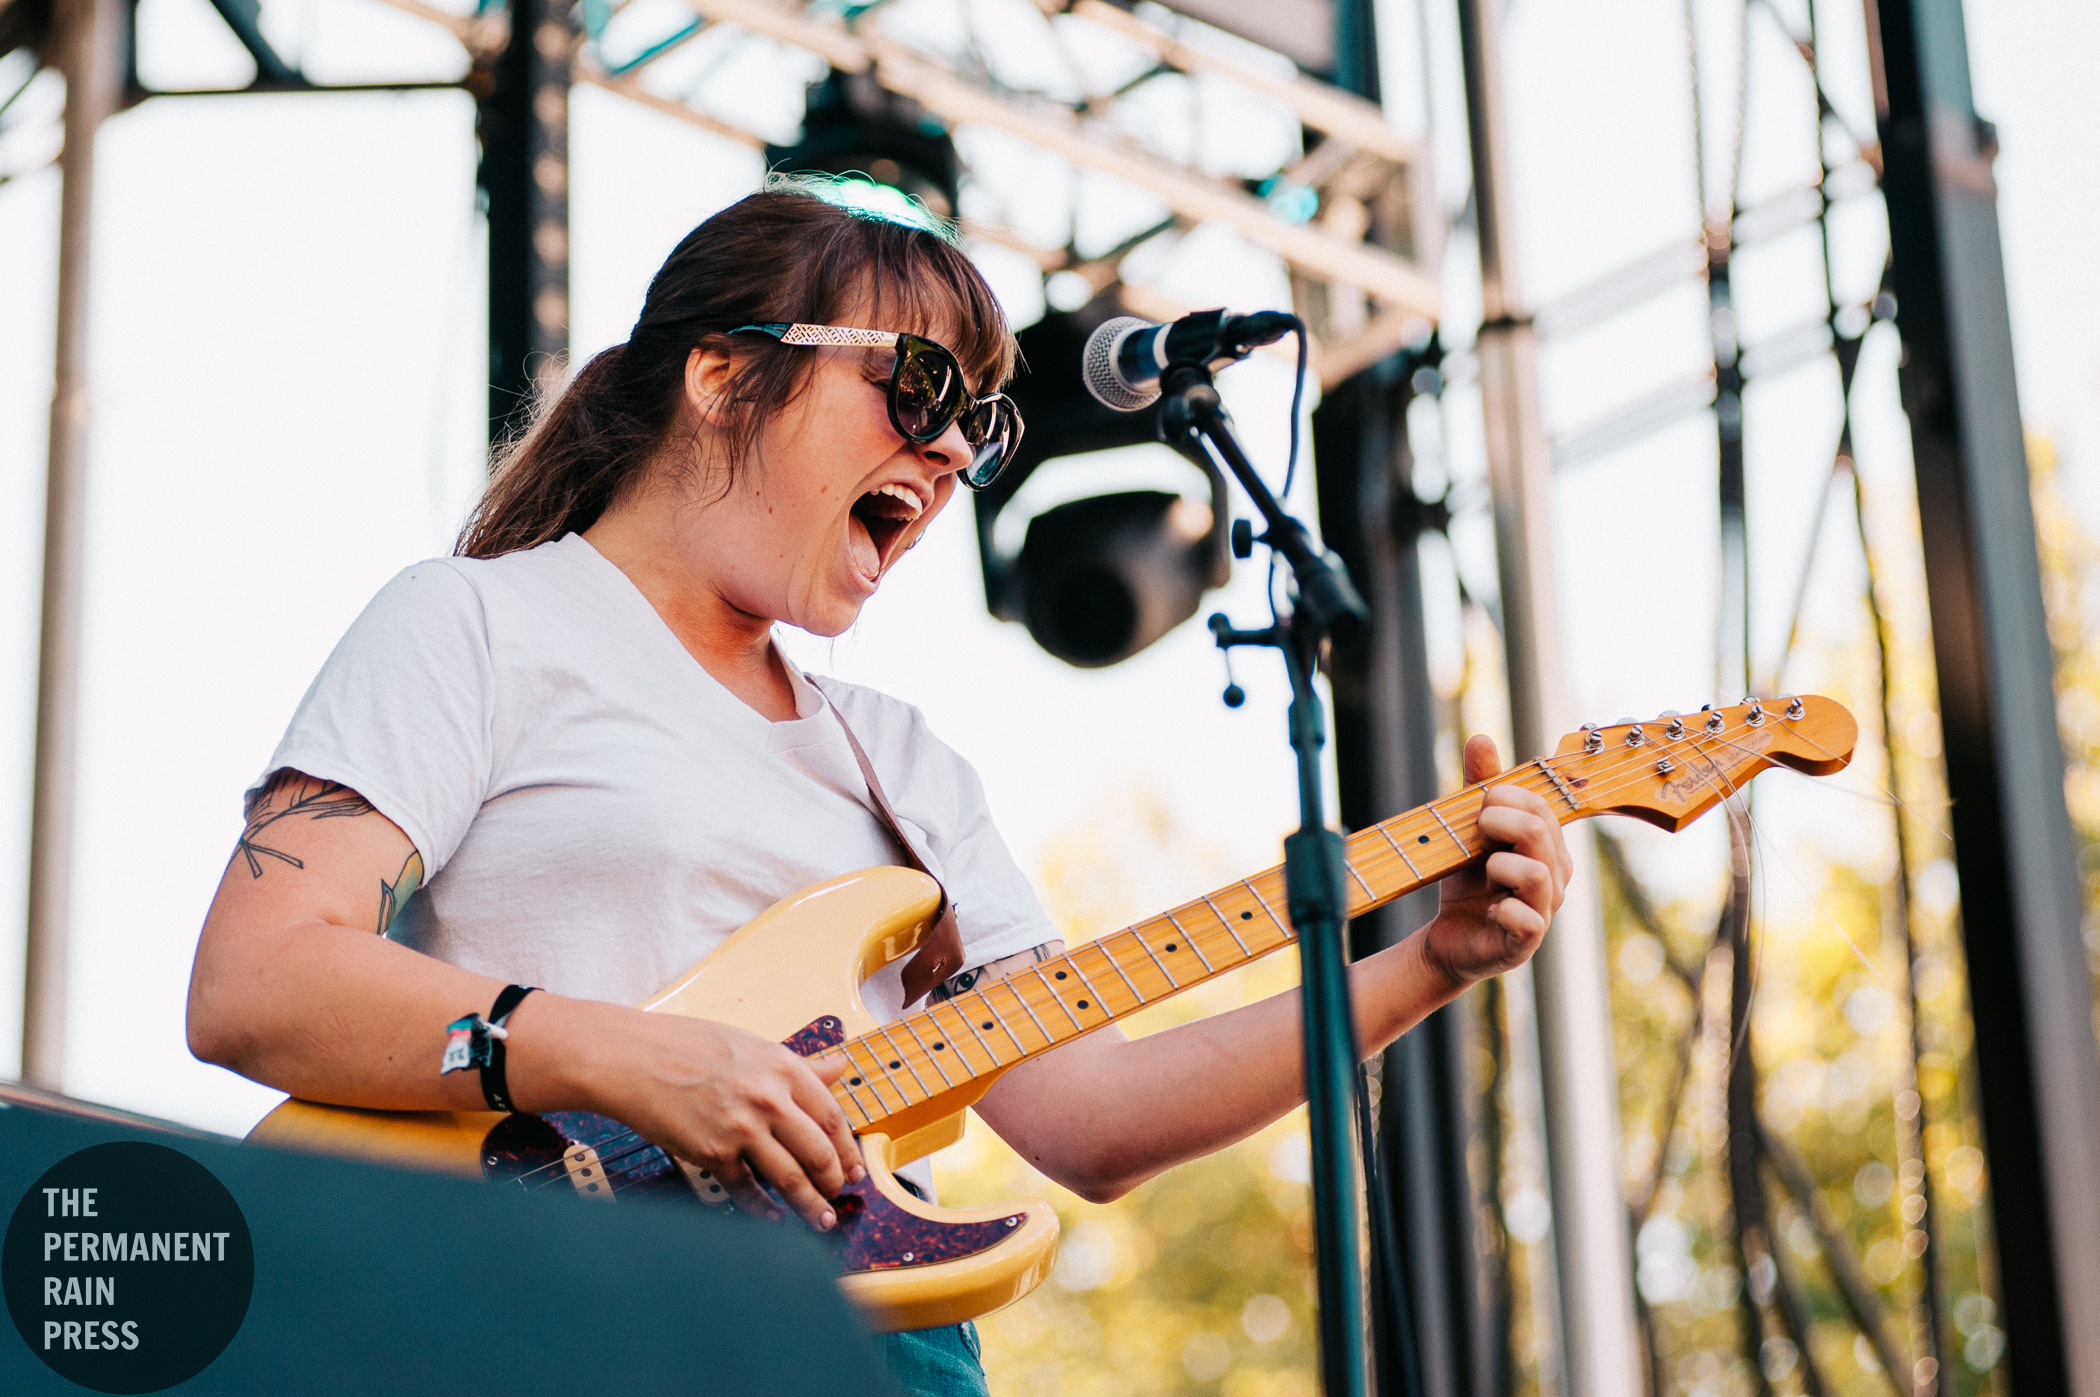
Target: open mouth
[(886, 512)]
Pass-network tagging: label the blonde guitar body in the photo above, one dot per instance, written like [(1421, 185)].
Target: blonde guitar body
[(793, 974)]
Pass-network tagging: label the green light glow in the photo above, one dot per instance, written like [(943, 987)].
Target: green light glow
[(883, 201)]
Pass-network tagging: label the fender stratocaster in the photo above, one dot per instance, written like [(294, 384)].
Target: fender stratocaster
[(909, 1264)]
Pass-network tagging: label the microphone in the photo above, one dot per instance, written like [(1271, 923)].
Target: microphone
[(1125, 357)]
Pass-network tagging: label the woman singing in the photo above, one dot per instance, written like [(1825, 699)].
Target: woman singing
[(572, 757)]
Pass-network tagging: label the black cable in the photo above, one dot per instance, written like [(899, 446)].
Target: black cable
[(1392, 1320), (1290, 467)]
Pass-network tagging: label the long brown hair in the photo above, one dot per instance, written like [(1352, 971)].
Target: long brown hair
[(791, 252)]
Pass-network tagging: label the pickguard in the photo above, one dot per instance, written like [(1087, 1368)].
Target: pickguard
[(873, 1232)]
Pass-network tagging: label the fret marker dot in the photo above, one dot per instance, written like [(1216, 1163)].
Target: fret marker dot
[(1422, 839), (987, 1023), (895, 1065), (1082, 1004), (854, 1083), (1246, 916), (938, 1046), (1060, 974), (1170, 945)]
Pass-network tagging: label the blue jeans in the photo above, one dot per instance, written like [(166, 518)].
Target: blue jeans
[(937, 1362)]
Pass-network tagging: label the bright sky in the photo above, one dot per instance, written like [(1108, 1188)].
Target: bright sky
[(287, 332)]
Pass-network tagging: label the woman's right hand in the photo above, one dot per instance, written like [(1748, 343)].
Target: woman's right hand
[(747, 1110), (296, 987)]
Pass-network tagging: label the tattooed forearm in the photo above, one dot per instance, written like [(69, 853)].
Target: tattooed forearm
[(997, 970), (394, 896), (290, 793)]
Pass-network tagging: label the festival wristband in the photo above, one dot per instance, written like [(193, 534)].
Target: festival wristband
[(477, 1042)]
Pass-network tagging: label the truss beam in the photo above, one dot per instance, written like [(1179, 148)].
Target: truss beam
[(2030, 984)]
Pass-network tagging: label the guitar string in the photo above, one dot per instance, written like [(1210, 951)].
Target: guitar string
[(1625, 761), (1546, 765), (1522, 775), (605, 1159), (1517, 776), (1758, 835)]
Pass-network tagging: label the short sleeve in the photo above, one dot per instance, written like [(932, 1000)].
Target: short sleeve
[(403, 711)]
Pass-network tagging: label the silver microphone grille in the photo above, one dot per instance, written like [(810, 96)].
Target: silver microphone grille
[(1097, 366)]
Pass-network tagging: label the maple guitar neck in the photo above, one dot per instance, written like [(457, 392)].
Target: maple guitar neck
[(1667, 772)]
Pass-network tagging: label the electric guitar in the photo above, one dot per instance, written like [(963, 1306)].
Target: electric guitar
[(909, 1264)]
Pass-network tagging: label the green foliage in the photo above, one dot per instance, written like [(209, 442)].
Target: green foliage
[(1199, 1281)]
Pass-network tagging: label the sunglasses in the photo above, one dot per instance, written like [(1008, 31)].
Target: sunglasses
[(927, 393)]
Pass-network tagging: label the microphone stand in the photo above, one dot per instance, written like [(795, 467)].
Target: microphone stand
[(1328, 607)]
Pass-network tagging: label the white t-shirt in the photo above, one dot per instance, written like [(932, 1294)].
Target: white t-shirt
[(595, 812)]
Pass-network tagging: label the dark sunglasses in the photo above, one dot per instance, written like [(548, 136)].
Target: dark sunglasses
[(927, 393)]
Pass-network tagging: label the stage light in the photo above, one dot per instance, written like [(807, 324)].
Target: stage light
[(1100, 579)]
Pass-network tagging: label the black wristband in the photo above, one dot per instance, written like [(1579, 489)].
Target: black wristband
[(495, 1087)]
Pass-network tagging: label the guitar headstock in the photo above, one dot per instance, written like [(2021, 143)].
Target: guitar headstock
[(1675, 768)]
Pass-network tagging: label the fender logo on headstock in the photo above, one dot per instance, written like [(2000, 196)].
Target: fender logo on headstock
[(1674, 768)]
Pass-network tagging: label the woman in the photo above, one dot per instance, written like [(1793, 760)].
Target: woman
[(572, 757)]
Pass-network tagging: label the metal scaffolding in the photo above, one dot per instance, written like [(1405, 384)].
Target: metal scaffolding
[(1354, 221)]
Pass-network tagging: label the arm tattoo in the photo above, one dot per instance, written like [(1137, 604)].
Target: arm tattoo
[(394, 896), (302, 795), (997, 970)]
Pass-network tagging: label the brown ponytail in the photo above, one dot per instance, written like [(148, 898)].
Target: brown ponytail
[(791, 252)]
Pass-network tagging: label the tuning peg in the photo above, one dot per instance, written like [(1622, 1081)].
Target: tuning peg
[(1676, 728), (1796, 710)]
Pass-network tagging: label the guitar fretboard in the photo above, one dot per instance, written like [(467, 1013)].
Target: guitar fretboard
[(943, 1046)]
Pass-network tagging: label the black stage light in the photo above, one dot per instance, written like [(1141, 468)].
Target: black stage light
[(1100, 579), (1097, 579)]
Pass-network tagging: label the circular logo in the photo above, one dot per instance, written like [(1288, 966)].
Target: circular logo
[(127, 1267)]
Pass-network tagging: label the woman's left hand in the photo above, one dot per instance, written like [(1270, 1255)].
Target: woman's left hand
[(1495, 913)]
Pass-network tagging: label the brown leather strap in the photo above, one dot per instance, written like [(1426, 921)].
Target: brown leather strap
[(940, 955)]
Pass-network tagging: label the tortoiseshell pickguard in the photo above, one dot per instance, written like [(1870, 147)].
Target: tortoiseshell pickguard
[(821, 1034), (873, 1233)]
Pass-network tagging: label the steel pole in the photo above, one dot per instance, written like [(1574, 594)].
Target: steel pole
[(1600, 1349), (1385, 717), (523, 123), (2030, 986), (92, 36)]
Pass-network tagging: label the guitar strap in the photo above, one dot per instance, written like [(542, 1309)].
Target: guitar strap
[(940, 955)]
